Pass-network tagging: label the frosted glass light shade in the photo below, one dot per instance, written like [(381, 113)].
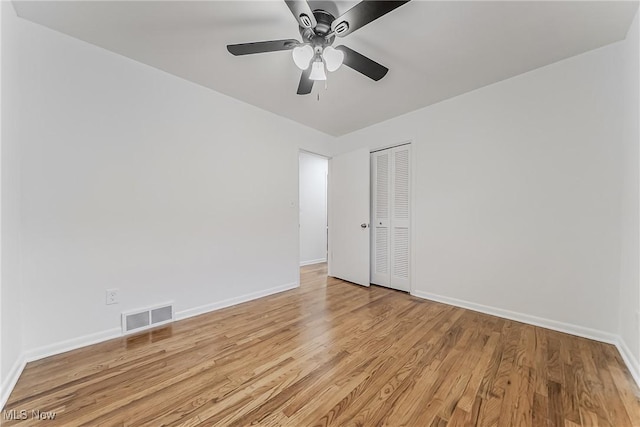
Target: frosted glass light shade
[(302, 56), (332, 58), (317, 71)]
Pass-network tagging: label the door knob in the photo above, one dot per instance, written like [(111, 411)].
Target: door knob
[(364, 225)]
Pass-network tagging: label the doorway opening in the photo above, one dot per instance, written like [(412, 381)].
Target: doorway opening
[(313, 171)]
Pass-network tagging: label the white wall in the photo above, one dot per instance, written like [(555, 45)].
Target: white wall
[(11, 308), (517, 192), (138, 180), (630, 265), (313, 208)]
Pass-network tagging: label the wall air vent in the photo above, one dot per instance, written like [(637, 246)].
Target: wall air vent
[(146, 318)]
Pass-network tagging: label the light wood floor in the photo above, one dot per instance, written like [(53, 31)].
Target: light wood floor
[(333, 353)]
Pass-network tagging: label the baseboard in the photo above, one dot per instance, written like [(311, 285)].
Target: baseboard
[(14, 374), (633, 364), (12, 378), (62, 347), (196, 311), (568, 328), (71, 344), (51, 350), (313, 261)]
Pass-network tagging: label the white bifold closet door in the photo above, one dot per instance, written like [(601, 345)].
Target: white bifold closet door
[(390, 212)]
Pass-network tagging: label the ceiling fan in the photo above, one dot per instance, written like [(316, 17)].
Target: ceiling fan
[(319, 29)]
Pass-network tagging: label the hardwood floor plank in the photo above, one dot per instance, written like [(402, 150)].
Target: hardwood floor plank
[(572, 367), (459, 418), (630, 395), (556, 411), (542, 350), (470, 393), (553, 363), (330, 353), (522, 413), (540, 412)]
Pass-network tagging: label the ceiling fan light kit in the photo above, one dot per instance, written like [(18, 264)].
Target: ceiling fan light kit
[(333, 58), (302, 56), (317, 71), (329, 57), (319, 29)]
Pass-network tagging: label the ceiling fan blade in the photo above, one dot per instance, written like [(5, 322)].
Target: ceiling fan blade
[(261, 47), (302, 12), (306, 84), (362, 64), (361, 14)]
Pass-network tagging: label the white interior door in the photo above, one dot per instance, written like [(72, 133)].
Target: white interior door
[(349, 217)]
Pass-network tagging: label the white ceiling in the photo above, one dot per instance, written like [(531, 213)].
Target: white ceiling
[(434, 50)]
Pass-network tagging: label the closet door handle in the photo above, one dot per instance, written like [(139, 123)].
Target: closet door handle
[(364, 225)]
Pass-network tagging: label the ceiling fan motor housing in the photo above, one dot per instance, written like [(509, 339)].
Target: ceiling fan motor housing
[(318, 36)]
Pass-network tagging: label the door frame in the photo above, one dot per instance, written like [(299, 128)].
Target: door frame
[(327, 158), (412, 181)]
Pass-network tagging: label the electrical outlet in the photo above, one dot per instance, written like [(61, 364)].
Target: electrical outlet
[(112, 296)]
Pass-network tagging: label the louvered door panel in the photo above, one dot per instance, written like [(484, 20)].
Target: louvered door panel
[(401, 185), (400, 218), (381, 170), (381, 212), (401, 253), (381, 262)]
